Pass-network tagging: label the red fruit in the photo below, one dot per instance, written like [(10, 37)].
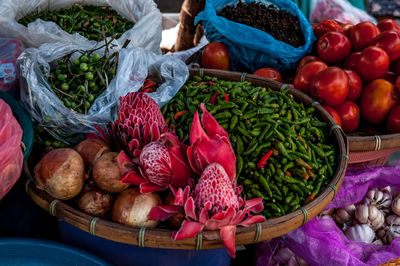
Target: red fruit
[(362, 34), (352, 61), (214, 186), (269, 73), (306, 60), (373, 63), (332, 112), (388, 24), (377, 98), (326, 26), (209, 147), (346, 28), (306, 74), (390, 42), (330, 86), (349, 115), (393, 121), (215, 56), (355, 85), (333, 47)]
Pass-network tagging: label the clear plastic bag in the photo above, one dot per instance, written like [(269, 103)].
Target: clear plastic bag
[(145, 33), (10, 49), (11, 157), (339, 10), (134, 66)]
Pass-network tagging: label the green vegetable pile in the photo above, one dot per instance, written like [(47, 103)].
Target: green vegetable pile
[(283, 150), (92, 22), (80, 81)]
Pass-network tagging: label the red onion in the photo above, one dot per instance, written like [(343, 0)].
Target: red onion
[(60, 173), (91, 150), (96, 203), (132, 208)]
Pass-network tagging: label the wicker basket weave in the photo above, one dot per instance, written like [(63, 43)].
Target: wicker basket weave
[(161, 238)]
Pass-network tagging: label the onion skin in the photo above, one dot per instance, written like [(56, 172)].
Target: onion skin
[(60, 173), (132, 208), (91, 150), (96, 203), (107, 173), (176, 220)]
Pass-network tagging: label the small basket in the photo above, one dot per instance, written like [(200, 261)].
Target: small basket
[(372, 150), (161, 237)]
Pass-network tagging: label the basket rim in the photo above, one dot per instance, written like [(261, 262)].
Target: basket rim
[(161, 238)]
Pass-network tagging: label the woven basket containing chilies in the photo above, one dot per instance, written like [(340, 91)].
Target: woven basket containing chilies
[(161, 237)]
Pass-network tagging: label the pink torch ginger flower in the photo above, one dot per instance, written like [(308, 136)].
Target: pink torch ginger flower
[(215, 204), (210, 147), (161, 163)]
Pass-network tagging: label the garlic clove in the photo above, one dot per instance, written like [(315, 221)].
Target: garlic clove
[(360, 233), (378, 196), (396, 205), (393, 220), (362, 213)]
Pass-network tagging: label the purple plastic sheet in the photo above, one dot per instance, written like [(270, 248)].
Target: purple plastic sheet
[(321, 242)]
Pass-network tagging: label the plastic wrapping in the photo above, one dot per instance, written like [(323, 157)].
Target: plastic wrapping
[(320, 240), (340, 10), (11, 157), (250, 48), (10, 49), (134, 66), (145, 33)]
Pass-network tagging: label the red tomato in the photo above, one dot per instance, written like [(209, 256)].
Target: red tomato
[(330, 86), (215, 56), (377, 98), (269, 73), (362, 34), (306, 60), (388, 24), (333, 47), (326, 26), (390, 42), (352, 61), (355, 85), (306, 74), (393, 121), (346, 28), (373, 63), (332, 112), (349, 115)]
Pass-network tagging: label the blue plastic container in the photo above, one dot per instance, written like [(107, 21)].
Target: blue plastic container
[(124, 254), (24, 251)]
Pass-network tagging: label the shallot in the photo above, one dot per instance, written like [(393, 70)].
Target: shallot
[(132, 208), (107, 173), (60, 173)]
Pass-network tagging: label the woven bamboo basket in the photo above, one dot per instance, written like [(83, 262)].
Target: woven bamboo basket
[(161, 238)]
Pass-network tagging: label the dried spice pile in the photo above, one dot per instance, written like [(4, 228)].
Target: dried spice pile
[(282, 25)]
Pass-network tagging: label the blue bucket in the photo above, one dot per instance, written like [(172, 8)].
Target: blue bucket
[(124, 254), (24, 251)]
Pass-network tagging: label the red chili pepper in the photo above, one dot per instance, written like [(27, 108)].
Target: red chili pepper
[(213, 99), (180, 113), (263, 161), (288, 173), (310, 173), (310, 198), (276, 152), (211, 82), (226, 99), (306, 177)]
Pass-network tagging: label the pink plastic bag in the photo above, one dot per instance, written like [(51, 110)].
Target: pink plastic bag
[(321, 242), (11, 157)]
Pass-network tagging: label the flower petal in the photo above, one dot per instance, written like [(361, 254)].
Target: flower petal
[(227, 234), (190, 209), (255, 205), (238, 217), (162, 213), (125, 163), (211, 125), (204, 212), (188, 229), (197, 131), (133, 178), (252, 220), (147, 187)]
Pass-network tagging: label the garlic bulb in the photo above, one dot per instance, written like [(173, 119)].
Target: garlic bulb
[(393, 233), (396, 205), (369, 214), (393, 220), (383, 235), (381, 198), (345, 215), (360, 233)]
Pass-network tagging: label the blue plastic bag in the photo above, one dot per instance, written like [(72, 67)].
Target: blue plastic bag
[(250, 48)]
